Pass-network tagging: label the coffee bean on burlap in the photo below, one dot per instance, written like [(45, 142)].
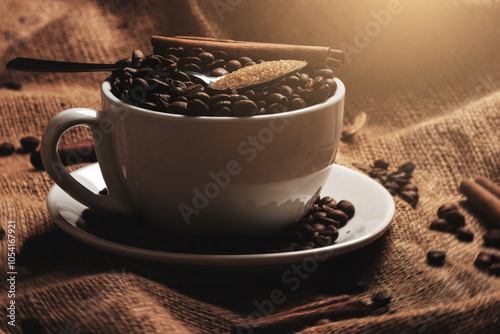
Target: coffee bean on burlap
[(436, 258), (494, 269), (6, 149), (439, 225), (492, 238), (483, 260), (30, 143), (464, 234), (36, 160), (454, 218), (2, 233), (445, 209), (381, 163)]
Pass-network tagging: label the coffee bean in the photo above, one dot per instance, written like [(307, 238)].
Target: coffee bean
[(6, 149), (188, 60), (439, 225), (318, 82), (318, 227), (244, 60), (292, 81), (339, 216), (284, 90), (198, 95), (319, 215), (2, 233), (206, 58), (322, 241), (381, 163), (178, 107), (306, 231), (137, 57), (176, 51), (410, 197), (103, 191), (492, 237), (198, 108), (436, 258), (325, 73), (192, 68), (250, 94), (233, 65), (276, 108), (244, 108), (237, 97), (218, 72), (381, 299), (483, 260), (30, 143), (409, 187), (222, 112), (464, 234), (327, 221), (36, 160), (455, 218), (296, 103), (445, 209), (494, 269), (347, 207), (215, 64), (220, 55), (180, 99), (276, 98), (219, 105), (216, 98), (330, 231), (309, 219), (153, 62)]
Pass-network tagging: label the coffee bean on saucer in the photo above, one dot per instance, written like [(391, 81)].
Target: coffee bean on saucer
[(483, 260), (439, 225), (306, 231), (436, 258), (6, 149), (30, 143), (445, 209), (492, 237), (347, 207), (325, 200), (339, 216), (381, 299), (328, 221), (464, 234)]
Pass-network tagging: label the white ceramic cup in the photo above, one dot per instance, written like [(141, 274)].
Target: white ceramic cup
[(203, 175)]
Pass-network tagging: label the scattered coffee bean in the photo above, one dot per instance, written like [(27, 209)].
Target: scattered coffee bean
[(6, 149), (2, 233), (445, 209), (381, 163), (455, 219), (464, 234), (30, 143), (439, 225), (36, 160), (436, 258), (11, 85), (483, 260), (492, 238), (494, 269), (381, 299)]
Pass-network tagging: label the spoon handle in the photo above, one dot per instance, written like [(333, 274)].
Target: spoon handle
[(40, 65)]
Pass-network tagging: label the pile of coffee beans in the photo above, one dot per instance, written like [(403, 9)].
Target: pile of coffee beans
[(452, 221), (397, 182), (318, 228), (157, 82)]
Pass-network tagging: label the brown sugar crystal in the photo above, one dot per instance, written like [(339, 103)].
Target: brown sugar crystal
[(258, 73)]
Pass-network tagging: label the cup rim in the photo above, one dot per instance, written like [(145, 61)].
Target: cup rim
[(335, 98)]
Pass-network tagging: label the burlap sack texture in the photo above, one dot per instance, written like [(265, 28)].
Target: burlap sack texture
[(428, 80)]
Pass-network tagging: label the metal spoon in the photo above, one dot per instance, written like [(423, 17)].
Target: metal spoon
[(40, 65)]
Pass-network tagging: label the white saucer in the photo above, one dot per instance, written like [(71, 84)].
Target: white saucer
[(374, 211)]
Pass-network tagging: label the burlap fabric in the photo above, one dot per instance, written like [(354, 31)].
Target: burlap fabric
[(427, 75)]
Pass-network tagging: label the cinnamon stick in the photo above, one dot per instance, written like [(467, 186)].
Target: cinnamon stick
[(317, 56), (490, 185), (482, 199), (339, 306)]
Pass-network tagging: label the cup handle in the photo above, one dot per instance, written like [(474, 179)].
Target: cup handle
[(56, 127)]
